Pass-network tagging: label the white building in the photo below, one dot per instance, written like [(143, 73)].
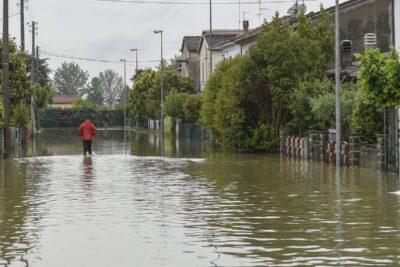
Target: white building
[(218, 37), (240, 44)]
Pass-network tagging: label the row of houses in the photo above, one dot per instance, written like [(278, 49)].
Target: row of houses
[(361, 21)]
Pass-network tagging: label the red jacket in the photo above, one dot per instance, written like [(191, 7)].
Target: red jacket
[(87, 130)]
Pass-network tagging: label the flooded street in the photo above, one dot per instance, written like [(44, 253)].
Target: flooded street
[(129, 206)]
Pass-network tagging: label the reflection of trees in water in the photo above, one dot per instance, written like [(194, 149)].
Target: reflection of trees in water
[(19, 218), (149, 144), (266, 208)]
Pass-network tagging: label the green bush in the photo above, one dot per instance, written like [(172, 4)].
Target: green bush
[(191, 108), (264, 139), (21, 116)]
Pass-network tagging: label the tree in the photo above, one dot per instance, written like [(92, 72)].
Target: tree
[(42, 96), (70, 79), (145, 97), (94, 92), (137, 96), (111, 85), (20, 86), (42, 74), (247, 99)]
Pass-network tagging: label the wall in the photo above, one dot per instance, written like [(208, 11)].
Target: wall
[(358, 17)]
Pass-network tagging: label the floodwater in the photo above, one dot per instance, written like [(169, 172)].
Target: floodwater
[(129, 205)]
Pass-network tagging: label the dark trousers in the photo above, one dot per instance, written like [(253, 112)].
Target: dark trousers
[(87, 147)]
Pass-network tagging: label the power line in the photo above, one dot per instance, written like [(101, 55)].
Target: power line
[(200, 3), (52, 54), (13, 15)]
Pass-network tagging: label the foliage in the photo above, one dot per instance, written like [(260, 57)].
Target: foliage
[(367, 120), (70, 79), (94, 93), (191, 108), (264, 139), (137, 96), (64, 117), (21, 116), (323, 108), (379, 78), (42, 96), (111, 85), (174, 104), (42, 74), (285, 56), (145, 97), (84, 109), (248, 98), (302, 116), (20, 86)]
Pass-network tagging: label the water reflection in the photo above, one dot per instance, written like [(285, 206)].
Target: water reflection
[(62, 209)]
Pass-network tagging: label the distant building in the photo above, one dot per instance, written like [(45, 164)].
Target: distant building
[(361, 17), (240, 44), (190, 59), (218, 37), (63, 101)]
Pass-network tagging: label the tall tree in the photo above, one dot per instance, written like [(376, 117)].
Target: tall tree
[(70, 79), (20, 86), (42, 74), (111, 85), (94, 92)]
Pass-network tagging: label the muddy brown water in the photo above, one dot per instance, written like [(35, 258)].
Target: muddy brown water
[(129, 205)]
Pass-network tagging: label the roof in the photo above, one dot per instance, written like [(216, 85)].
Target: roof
[(332, 8), (192, 43), (218, 37), (64, 99), (243, 37)]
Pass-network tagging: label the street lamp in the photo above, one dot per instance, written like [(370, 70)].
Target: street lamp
[(162, 83), (124, 97), (135, 50), (337, 82)]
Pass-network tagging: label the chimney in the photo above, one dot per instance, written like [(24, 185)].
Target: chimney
[(370, 40), (245, 25), (347, 53)]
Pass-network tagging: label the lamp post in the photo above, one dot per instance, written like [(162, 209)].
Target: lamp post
[(211, 36), (135, 50), (162, 84), (337, 82), (124, 98)]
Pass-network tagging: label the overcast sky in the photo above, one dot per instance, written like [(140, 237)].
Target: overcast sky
[(108, 30)]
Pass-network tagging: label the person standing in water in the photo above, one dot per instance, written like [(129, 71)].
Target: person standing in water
[(87, 131)]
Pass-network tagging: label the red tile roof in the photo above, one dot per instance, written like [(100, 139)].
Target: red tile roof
[(64, 99)]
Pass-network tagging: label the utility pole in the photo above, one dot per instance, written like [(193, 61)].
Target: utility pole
[(22, 13), (124, 99), (162, 92), (211, 37), (135, 50), (240, 14), (33, 69), (6, 82), (337, 81)]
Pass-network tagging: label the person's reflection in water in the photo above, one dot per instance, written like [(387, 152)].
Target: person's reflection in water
[(87, 172)]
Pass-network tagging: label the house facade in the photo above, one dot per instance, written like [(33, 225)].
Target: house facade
[(190, 59), (63, 101), (218, 37), (360, 17), (240, 44)]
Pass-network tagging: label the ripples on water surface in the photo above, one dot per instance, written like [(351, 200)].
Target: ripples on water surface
[(237, 210)]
